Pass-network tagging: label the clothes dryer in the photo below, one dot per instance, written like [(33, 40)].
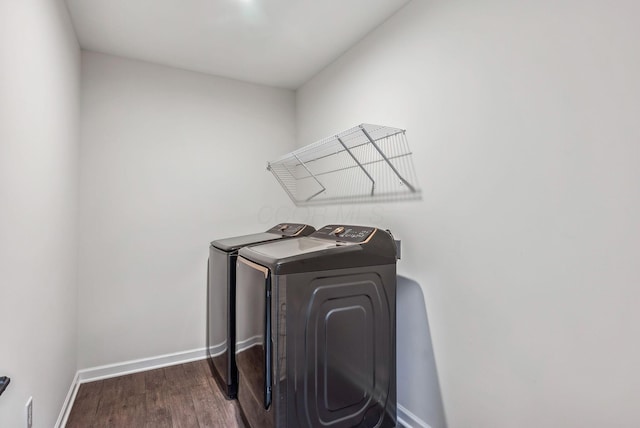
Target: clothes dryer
[(221, 299)]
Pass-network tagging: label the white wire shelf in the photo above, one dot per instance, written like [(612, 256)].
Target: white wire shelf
[(366, 163)]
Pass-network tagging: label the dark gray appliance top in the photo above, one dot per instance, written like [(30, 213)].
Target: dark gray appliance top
[(279, 231), (331, 247)]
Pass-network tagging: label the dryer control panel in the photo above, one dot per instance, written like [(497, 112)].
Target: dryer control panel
[(343, 233)]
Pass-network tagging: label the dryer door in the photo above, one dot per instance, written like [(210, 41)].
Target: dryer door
[(253, 341)]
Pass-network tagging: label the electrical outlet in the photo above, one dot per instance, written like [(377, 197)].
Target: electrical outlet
[(29, 411)]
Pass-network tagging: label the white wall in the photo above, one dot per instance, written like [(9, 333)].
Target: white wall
[(523, 119), (39, 84), (170, 160)]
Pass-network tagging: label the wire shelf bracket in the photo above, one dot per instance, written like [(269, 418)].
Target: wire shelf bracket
[(366, 163)]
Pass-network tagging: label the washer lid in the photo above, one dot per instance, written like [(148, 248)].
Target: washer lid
[(293, 247), (279, 231)]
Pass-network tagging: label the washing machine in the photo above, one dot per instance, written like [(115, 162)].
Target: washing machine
[(319, 336), (221, 299)]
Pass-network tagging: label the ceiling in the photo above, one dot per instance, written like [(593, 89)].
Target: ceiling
[(279, 43)]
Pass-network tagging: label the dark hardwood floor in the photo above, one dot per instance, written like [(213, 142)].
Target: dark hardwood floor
[(184, 395)]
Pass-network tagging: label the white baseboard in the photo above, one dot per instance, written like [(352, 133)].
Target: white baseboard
[(140, 365), (410, 420), (245, 344), (68, 403)]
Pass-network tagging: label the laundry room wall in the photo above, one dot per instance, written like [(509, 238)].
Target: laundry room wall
[(522, 118), (170, 160), (39, 98)]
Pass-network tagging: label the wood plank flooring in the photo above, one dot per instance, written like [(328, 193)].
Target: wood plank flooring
[(184, 396)]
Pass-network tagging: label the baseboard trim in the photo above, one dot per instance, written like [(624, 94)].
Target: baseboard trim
[(409, 420), (245, 344), (140, 365), (68, 403)]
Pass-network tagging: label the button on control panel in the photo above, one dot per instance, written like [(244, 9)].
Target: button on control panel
[(287, 229), (341, 233), (337, 231)]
